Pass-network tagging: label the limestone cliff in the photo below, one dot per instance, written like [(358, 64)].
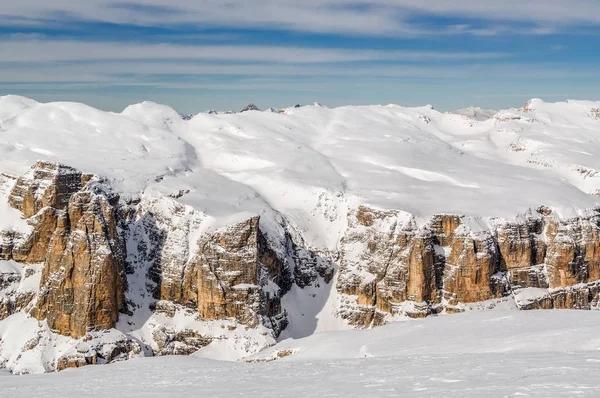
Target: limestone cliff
[(391, 266), (74, 234), (97, 259), (223, 272), (83, 280), (239, 276)]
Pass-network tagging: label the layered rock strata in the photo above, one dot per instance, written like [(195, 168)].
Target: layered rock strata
[(391, 266)]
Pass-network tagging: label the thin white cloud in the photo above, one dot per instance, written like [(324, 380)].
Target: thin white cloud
[(160, 74), (378, 17), (18, 50)]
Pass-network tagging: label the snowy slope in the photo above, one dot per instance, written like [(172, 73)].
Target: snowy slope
[(503, 331), (494, 354), (476, 113), (128, 151), (412, 159)]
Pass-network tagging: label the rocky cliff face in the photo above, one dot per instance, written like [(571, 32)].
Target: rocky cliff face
[(102, 258), (86, 239), (239, 276), (83, 280), (91, 265), (390, 266), (74, 234), (225, 272)]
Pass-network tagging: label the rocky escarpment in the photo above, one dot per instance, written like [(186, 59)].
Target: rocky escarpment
[(86, 240), (74, 234), (101, 259), (222, 272), (390, 266), (239, 276), (152, 276)]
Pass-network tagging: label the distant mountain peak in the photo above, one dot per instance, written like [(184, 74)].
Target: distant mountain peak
[(250, 107)]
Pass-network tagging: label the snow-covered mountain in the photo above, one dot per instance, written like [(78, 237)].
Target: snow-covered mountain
[(147, 233)]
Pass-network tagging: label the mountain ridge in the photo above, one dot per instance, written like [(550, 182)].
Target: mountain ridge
[(225, 232)]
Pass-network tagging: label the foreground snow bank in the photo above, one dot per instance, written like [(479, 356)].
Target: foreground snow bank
[(495, 354)]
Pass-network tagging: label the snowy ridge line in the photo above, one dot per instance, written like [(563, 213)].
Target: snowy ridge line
[(499, 167)]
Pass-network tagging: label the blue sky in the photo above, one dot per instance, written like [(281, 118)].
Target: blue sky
[(222, 54)]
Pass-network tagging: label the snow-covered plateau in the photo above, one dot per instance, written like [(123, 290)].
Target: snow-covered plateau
[(293, 249)]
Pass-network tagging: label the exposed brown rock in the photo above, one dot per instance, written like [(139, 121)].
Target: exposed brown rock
[(74, 232), (93, 350), (185, 342), (469, 268), (580, 297), (573, 254), (14, 299), (5, 308), (74, 361), (46, 185), (520, 245), (82, 286), (384, 262), (234, 266), (34, 247), (388, 266), (228, 272)]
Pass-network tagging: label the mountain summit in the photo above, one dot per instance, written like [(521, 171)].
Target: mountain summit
[(250, 107)]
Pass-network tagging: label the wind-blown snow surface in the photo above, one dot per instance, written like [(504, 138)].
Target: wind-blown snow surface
[(499, 353), (413, 159)]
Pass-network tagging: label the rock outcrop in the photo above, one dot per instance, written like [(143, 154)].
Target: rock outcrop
[(390, 266), (88, 244), (99, 348), (227, 272), (239, 276), (83, 281), (18, 287), (171, 342), (250, 107), (74, 233), (385, 261)]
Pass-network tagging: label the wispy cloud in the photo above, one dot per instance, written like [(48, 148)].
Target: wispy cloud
[(186, 74), (372, 17), (36, 50)]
